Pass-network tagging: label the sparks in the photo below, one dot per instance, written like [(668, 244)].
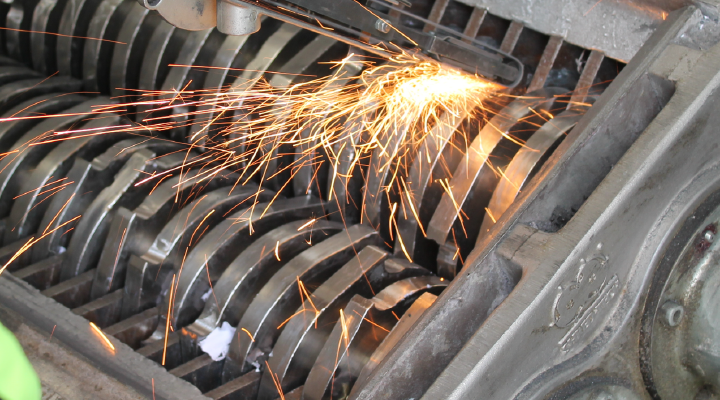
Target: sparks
[(305, 225), (167, 320), (268, 135), (102, 336)]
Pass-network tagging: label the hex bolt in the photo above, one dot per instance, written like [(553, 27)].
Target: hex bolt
[(382, 26), (709, 236), (672, 313)]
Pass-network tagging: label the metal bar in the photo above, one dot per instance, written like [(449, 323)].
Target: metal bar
[(546, 63), (123, 65), (305, 181), (266, 9), (103, 311), (511, 37), (11, 130), (437, 163), (82, 251), (436, 14), (202, 372), (145, 274), (473, 25), (94, 61), (587, 77), (28, 157), (331, 366), (155, 350), (244, 387), (401, 294), (43, 274), (135, 329), (90, 178), (16, 92), (73, 292), (130, 230)]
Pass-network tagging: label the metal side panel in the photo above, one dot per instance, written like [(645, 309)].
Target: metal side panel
[(73, 360), (617, 28), (619, 233)]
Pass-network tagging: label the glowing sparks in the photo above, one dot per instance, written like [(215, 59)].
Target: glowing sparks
[(345, 333), (304, 294), (200, 224), (167, 319), (45, 185), (102, 336), (341, 121), (305, 225), (487, 210), (388, 109), (276, 381), (61, 35), (117, 256), (344, 337), (252, 339), (31, 242)]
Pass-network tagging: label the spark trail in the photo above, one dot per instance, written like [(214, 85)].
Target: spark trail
[(268, 134)]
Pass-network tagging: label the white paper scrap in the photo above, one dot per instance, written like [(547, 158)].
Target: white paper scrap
[(217, 343)]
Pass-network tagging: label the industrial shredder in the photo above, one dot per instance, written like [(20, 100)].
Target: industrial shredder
[(570, 256)]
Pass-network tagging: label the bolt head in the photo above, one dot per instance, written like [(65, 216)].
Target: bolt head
[(382, 26), (672, 313), (709, 236)]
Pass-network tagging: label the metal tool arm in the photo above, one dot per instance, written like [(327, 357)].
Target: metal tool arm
[(372, 25)]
